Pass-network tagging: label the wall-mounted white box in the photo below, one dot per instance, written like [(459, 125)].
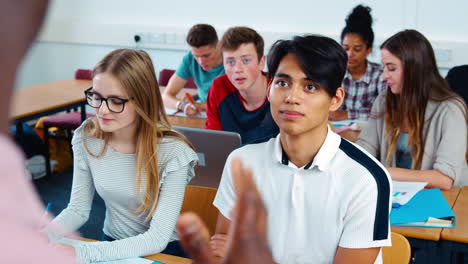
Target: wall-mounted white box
[(443, 55)]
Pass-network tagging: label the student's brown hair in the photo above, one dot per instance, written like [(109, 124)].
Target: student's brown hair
[(135, 72), (236, 36), (202, 35), (422, 83)]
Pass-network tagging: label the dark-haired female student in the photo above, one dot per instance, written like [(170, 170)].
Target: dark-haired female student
[(418, 128), (362, 82)]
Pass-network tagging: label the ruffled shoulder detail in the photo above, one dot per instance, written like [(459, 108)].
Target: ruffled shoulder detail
[(174, 154)]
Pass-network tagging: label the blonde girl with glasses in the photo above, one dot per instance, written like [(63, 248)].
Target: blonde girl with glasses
[(129, 154)]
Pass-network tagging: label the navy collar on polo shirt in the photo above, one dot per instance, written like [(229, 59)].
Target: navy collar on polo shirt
[(323, 157)]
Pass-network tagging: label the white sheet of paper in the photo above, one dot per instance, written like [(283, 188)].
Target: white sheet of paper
[(173, 112), (404, 191), (128, 261), (54, 238), (352, 124)]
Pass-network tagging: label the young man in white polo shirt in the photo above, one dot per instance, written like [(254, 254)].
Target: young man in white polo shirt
[(328, 200)]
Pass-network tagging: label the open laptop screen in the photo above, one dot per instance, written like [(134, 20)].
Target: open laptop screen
[(212, 147)]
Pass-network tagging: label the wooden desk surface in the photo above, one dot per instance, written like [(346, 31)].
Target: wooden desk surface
[(187, 121), (169, 259), (460, 232), (429, 233), (43, 97), (350, 135)]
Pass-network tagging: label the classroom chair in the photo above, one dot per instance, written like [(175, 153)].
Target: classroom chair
[(399, 252), (66, 121), (199, 199), (457, 78), (166, 74)]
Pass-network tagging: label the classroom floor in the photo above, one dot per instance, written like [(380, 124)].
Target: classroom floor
[(56, 189)]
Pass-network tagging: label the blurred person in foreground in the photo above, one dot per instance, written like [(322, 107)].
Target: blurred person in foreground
[(22, 213)]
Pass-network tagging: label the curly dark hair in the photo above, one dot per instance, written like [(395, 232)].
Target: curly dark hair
[(359, 21)]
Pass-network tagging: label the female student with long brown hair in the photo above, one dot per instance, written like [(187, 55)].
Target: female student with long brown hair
[(130, 155), (418, 127)]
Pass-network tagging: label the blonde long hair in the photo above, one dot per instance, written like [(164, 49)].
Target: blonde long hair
[(421, 83), (135, 72)]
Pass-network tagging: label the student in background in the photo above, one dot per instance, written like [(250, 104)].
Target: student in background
[(457, 78), (130, 155), (237, 100), (203, 63), (418, 128), (22, 213), (362, 82), (322, 202)]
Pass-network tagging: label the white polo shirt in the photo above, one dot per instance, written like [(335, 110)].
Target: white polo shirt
[(341, 198)]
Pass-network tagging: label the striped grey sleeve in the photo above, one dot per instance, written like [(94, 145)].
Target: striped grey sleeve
[(161, 228)]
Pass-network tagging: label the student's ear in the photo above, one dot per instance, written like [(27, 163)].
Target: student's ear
[(337, 100), (268, 90), (261, 63), (368, 52)]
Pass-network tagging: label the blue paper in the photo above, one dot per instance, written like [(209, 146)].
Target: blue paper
[(425, 204)]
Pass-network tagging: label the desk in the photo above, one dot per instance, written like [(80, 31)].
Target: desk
[(350, 135), (426, 239), (428, 233), (48, 98), (166, 259), (187, 121), (169, 259), (455, 240)]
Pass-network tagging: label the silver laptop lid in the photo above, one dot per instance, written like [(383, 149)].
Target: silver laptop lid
[(212, 147)]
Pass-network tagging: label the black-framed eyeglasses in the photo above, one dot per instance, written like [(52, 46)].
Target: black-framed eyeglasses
[(114, 104)]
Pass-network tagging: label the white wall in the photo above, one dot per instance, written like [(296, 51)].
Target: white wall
[(78, 33)]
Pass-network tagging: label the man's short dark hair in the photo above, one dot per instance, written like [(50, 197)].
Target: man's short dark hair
[(322, 59), (236, 36), (202, 35)]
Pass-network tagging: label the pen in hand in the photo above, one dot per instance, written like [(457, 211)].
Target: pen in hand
[(193, 104), (47, 209), (190, 98)]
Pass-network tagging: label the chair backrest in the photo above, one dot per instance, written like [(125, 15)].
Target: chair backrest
[(457, 78), (83, 74), (165, 75), (399, 252), (199, 200)]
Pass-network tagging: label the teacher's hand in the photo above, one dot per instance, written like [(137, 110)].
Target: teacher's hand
[(246, 242)]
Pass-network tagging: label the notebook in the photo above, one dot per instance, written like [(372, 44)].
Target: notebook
[(404, 191), (428, 208), (174, 112), (349, 124), (212, 147), (129, 261)]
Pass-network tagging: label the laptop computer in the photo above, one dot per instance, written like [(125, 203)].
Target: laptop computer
[(213, 148)]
